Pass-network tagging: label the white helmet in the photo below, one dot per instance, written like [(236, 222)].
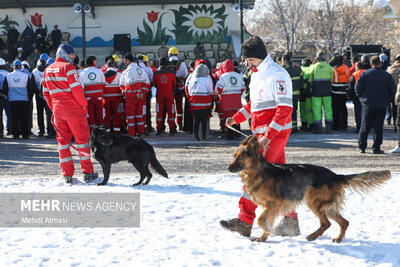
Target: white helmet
[(25, 63), (2, 62)]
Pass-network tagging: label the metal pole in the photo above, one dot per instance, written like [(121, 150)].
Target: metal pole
[(241, 22), (83, 32)]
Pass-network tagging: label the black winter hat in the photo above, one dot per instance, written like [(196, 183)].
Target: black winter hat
[(254, 47), (130, 57)]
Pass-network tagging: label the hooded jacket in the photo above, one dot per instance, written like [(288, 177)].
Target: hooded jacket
[(200, 89), (112, 78), (230, 87)]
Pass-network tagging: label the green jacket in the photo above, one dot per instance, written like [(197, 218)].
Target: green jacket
[(295, 73), (320, 77), (305, 85)]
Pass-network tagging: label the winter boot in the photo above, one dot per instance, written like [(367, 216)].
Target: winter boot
[(236, 225), (287, 227), (68, 179), (88, 177)]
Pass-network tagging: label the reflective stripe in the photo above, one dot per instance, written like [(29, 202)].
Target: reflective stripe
[(179, 115), (65, 159), (339, 84), (117, 129), (63, 147), (55, 91), (284, 100), (130, 117), (231, 92), (158, 119), (139, 116), (263, 105), (93, 92), (140, 123), (336, 76), (56, 79), (131, 124), (200, 93), (109, 95), (71, 72), (45, 89), (108, 130), (84, 157), (74, 84), (92, 125), (171, 119), (245, 113), (245, 195), (82, 145), (339, 92), (200, 104), (279, 127), (295, 78)]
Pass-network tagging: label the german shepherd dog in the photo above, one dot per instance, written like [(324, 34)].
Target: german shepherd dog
[(112, 148), (279, 188)]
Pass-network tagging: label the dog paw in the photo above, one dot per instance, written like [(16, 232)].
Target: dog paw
[(336, 240), (257, 239), (100, 184), (311, 238), (137, 184)]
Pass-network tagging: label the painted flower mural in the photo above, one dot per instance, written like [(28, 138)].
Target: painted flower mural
[(36, 19), (200, 24), (153, 36), (5, 24)]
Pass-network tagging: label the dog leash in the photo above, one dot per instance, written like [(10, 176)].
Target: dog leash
[(55, 127), (236, 130)]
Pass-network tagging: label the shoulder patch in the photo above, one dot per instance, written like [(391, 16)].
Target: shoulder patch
[(281, 87)]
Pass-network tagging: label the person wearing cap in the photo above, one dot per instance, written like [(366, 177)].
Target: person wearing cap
[(113, 101), (20, 54), (55, 37), (397, 102), (295, 74), (65, 97), (375, 88), (134, 85), (143, 63), (93, 83), (164, 80), (320, 77), (3, 94), (41, 104), (270, 109), (181, 73), (20, 91)]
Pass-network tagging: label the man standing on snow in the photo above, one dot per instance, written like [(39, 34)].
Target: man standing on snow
[(270, 109), (65, 97)]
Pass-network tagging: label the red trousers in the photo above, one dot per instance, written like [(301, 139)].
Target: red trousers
[(274, 154), (133, 115), (113, 118), (179, 109), (95, 111), (167, 104), (79, 128)]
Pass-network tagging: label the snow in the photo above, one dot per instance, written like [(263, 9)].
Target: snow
[(180, 227)]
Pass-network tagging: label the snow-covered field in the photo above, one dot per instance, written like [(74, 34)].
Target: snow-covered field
[(180, 227)]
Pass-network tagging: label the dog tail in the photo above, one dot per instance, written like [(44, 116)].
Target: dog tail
[(156, 164), (365, 182)]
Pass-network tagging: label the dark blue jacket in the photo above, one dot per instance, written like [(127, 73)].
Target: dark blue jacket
[(375, 88)]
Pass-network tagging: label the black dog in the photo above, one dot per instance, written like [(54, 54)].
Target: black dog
[(112, 148)]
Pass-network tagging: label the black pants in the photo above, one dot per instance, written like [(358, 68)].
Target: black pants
[(187, 117), (295, 108), (398, 125), (200, 116), (339, 111), (357, 113), (19, 118), (50, 128), (2, 104), (40, 106), (371, 118)]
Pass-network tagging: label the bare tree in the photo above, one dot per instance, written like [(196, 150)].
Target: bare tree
[(279, 19)]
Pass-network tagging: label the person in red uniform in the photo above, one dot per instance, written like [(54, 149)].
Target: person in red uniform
[(165, 81), (93, 82), (65, 97), (112, 98), (134, 85), (270, 108)]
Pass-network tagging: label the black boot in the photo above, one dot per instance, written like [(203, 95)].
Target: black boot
[(236, 225), (88, 177), (68, 179)]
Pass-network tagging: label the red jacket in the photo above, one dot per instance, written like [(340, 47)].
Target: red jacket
[(165, 81), (62, 88), (111, 88)]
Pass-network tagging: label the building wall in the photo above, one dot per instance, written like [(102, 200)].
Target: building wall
[(147, 25)]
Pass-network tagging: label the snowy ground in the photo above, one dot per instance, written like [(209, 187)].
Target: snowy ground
[(179, 227)]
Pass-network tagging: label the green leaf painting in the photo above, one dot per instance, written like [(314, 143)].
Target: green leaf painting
[(5, 24)]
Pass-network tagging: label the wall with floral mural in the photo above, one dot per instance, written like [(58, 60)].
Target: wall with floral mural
[(147, 25)]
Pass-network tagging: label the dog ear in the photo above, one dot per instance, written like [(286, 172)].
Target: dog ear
[(253, 145), (246, 141)]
